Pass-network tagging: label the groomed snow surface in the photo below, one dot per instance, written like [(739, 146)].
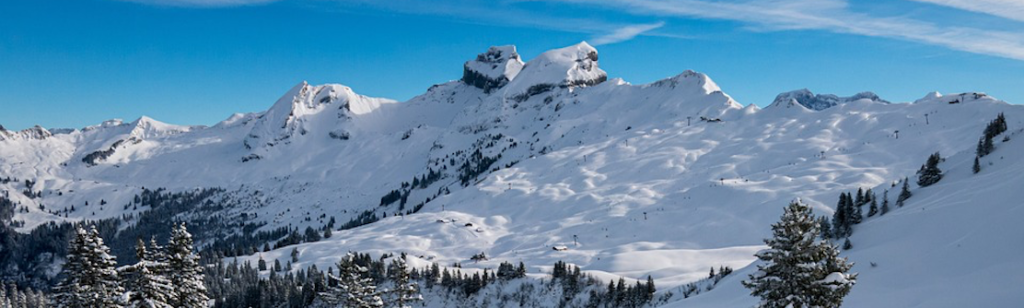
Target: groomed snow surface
[(666, 179)]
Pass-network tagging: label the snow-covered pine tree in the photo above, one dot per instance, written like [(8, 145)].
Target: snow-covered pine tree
[(904, 193), (930, 173), (860, 197), (101, 283), (858, 215), (352, 290), (993, 129), (839, 218), (147, 289), (156, 253), (977, 165), (15, 297), (107, 290), (90, 276), (826, 228), (885, 203), (873, 209), (70, 292), (4, 302), (799, 270), (41, 300), (651, 289), (184, 271), (406, 292)]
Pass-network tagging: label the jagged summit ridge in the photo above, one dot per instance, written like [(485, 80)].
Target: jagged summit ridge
[(819, 102), (36, 132), (306, 108), (492, 69)]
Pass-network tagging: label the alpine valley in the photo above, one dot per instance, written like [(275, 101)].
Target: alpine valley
[(542, 162)]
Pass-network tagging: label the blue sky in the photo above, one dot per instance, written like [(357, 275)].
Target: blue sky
[(73, 63)]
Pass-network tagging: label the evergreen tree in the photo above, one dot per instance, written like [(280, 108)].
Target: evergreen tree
[(987, 146), (977, 165), (146, 288), (799, 270), (826, 228), (858, 215), (184, 271), (994, 128), (405, 292), (70, 292), (352, 289), (982, 148), (839, 218), (904, 193), (885, 203), (850, 216), (847, 245), (155, 253), (874, 208), (91, 279), (651, 289), (930, 173)]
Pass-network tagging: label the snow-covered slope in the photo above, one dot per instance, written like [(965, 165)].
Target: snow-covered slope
[(664, 179), (950, 245), (569, 67)]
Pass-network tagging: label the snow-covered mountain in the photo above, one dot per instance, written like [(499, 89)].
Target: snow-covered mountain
[(807, 99), (664, 179)]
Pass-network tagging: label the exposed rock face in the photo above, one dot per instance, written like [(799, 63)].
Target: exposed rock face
[(492, 69), (569, 67), (822, 101), (36, 132)]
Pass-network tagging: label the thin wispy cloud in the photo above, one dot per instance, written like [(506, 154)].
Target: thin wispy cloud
[(827, 15), (1009, 9), (202, 3), (755, 15), (509, 13), (625, 33)]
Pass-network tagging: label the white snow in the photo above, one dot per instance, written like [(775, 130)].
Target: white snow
[(571, 66), (497, 62), (627, 177)]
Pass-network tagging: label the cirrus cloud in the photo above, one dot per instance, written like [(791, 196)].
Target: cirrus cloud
[(625, 33), (1009, 9)]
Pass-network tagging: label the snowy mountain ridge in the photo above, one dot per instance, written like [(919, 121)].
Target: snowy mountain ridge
[(664, 179), (819, 102)]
